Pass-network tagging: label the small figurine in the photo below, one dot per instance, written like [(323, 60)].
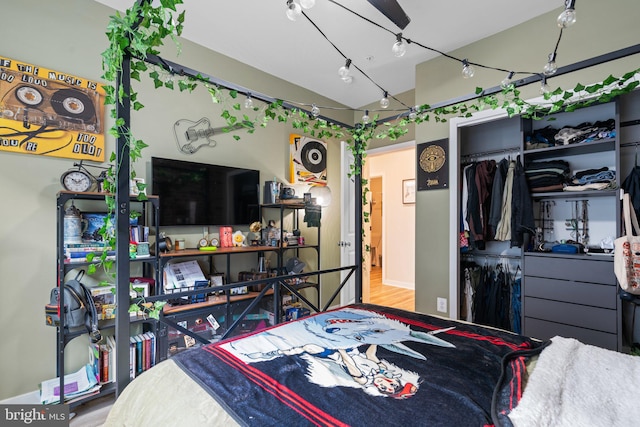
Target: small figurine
[(238, 238)]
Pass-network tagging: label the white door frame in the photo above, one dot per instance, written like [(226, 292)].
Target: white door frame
[(347, 243)]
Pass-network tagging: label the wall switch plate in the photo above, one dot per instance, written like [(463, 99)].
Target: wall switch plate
[(442, 305)]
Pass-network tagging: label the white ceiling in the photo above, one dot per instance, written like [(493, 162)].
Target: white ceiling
[(258, 33)]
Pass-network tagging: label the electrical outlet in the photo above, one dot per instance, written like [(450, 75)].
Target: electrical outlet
[(442, 305)]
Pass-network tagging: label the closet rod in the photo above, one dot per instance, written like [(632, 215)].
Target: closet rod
[(630, 144), (490, 152), (630, 123), (477, 255)]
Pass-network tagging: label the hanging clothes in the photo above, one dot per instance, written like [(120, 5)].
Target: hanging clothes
[(497, 194), (480, 183), (503, 228), (516, 303), (521, 208), (491, 296)]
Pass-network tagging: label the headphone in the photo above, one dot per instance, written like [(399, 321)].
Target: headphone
[(91, 316)]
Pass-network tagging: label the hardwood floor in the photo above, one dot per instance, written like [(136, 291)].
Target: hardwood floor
[(390, 296)]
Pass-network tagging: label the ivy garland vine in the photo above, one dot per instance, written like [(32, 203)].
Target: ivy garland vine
[(143, 28)]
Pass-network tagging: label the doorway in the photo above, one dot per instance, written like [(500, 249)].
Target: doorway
[(375, 212), (391, 228)]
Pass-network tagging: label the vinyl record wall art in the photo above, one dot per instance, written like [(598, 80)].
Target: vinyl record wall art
[(432, 165), (50, 113), (307, 160)]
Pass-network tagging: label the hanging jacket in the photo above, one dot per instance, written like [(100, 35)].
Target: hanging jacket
[(484, 172), (495, 212), (521, 207)]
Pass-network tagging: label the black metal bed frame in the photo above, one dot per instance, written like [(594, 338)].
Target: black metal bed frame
[(123, 113)]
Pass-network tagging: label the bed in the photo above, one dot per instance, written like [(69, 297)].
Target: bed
[(358, 365)]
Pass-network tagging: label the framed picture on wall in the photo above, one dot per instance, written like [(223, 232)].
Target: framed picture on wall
[(432, 170), (408, 191)]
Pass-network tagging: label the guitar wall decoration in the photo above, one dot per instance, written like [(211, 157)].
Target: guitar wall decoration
[(192, 136)]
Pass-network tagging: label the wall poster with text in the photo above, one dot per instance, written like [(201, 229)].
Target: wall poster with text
[(50, 113), (432, 165)]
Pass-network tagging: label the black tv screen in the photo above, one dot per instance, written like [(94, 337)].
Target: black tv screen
[(201, 194)]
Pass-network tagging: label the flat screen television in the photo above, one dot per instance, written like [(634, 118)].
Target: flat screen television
[(202, 194)]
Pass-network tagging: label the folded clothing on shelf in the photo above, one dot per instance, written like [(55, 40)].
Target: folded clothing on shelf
[(544, 176), (585, 132)]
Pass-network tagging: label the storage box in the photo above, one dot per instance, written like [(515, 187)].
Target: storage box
[(245, 276), (294, 313), (104, 300), (142, 286)]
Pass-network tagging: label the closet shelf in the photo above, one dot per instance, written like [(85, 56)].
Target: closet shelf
[(571, 149), (575, 194)]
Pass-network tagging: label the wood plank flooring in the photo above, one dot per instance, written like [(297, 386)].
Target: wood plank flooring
[(390, 296)]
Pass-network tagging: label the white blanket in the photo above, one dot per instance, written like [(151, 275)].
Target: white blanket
[(574, 384)]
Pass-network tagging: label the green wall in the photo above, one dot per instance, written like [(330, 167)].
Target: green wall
[(68, 36), (601, 27)]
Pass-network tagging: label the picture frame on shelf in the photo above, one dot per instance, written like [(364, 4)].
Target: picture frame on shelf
[(408, 191), (216, 279)]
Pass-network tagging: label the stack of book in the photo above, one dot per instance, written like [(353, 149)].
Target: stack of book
[(102, 356), (77, 385), (142, 353), (142, 356), (78, 252)]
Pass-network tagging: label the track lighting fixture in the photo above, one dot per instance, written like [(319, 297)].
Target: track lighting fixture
[(384, 102), (293, 10), (315, 111), (366, 118), (550, 68), (307, 4), (399, 48), (248, 103), (412, 113), (568, 17), (544, 87), (467, 69), (344, 71), (508, 80)]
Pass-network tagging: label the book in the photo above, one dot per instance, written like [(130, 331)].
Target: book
[(132, 357), (83, 245), (83, 254), (139, 366), (104, 357), (80, 383), (147, 352), (94, 359), (111, 341), (84, 259)]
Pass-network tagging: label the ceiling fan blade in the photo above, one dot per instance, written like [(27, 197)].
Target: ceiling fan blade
[(392, 10)]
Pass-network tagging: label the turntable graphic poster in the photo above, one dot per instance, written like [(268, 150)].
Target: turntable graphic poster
[(307, 160), (433, 165), (50, 113)]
